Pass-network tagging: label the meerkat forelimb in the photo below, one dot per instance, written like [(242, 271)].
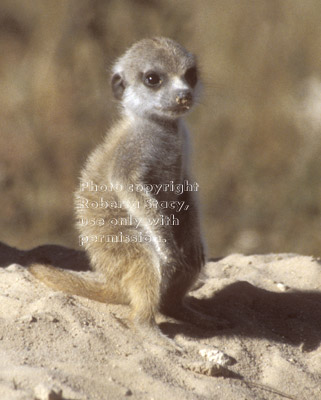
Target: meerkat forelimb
[(156, 82)]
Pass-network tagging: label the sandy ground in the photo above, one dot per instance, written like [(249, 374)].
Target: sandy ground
[(54, 346)]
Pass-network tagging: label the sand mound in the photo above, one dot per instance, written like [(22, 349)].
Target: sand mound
[(55, 346)]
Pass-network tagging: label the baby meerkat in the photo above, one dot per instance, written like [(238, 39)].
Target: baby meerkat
[(137, 210)]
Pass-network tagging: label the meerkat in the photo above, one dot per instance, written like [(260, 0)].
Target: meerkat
[(125, 188)]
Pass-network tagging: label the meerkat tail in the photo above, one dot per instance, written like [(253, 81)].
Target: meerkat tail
[(70, 283)]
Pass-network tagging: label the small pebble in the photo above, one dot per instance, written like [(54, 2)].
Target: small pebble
[(217, 356), (282, 287)]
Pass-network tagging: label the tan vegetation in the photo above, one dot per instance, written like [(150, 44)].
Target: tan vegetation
[(257, 131)]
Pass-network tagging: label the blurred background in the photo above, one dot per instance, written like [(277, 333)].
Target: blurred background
[(256, 131)]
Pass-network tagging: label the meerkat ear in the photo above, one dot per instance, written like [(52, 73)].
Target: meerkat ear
[(118, 86)]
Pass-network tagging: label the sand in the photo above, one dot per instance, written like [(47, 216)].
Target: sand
[(266, 344)]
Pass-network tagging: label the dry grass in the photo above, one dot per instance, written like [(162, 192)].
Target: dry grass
[(257, 131)]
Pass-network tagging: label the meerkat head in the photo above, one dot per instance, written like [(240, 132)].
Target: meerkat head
[(156, 78)]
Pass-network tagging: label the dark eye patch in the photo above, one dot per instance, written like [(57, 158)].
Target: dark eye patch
[(191, 76)]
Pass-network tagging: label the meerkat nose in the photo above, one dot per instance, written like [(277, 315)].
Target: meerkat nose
[(184, 98)]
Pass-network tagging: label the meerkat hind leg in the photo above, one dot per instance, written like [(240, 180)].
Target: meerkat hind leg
[(141, 282), (143, 286)]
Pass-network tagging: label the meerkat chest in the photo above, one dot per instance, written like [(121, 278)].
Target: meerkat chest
[(165, 156)]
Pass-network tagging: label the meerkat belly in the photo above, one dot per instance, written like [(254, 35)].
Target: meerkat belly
[(102, 213)]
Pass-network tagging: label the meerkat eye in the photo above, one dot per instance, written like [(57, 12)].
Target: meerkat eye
[(152, 79), (191, 76)]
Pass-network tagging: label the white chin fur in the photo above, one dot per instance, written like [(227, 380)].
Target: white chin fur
[(134, 105)]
